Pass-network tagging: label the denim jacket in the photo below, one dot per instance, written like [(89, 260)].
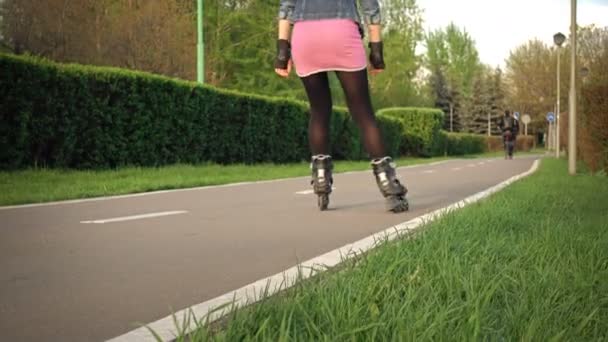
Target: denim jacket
[(298, 10)]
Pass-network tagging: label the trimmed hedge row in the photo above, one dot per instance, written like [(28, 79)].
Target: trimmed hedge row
[(463, 143), (421, 129), (73, 116), (522, 143), (457, 144)]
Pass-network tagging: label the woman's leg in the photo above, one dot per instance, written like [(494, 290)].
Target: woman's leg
[(356, 89), (319, 96)]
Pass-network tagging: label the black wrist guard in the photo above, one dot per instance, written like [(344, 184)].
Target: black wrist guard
[(376, 57), (283, 54)]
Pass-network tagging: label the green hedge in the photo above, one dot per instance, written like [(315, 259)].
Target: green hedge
[(522, 143), (458, 144), (421, 129), (346, 141), (74, 116)]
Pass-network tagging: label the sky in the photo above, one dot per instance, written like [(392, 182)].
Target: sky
[(499, 26)]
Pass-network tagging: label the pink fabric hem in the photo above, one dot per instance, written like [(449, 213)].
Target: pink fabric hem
[(331, 69)]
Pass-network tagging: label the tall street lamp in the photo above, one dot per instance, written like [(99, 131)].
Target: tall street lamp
[(558, 39), (572, 111), (200, 55)]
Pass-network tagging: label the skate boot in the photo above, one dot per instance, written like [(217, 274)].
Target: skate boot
[(389, 185), (322, 180)]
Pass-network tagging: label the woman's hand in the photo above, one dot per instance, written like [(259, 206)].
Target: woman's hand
[(284, 72), (375, 72)]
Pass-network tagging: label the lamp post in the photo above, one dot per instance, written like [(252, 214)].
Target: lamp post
[(572, 111), (558, 39), (200, 56)]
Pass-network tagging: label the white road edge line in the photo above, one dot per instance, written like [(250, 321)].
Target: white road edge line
[(217, 307), (456, 168), (150, 193), (136, 217), (429, 171)]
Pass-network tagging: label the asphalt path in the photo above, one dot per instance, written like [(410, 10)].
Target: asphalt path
[(93, 270)]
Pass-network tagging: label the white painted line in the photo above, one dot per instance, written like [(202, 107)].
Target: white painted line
[(456, 168), (470, 165), (216, 308), (135, 217), (481, 163), (429, 171)]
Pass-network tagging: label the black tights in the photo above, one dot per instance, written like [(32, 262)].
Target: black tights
[(356, 90)]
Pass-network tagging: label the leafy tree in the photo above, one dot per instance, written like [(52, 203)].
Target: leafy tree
[(159, 36), (402, 34), (531, 78), (487, 101), (453, 57)]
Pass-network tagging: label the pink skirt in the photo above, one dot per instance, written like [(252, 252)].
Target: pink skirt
[(327, 45)]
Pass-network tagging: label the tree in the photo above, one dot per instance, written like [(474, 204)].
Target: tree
[(593, 121), (531, 78), (497, 98), (159, 36), (487, 101), (151, 35), (453, 57), (593, 55), (444, 99), (402, 33), (481, 106)]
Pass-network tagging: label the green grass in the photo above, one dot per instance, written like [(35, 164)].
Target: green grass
[(529, 264), (45, 185)]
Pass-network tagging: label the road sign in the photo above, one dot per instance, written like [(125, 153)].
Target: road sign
[(550, 117), (516, 115)]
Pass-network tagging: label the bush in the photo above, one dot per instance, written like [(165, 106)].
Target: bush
[(392, 131), (522, 143), (74, 116), (592, 127), (463, 143), (457, 144), (421, 129)]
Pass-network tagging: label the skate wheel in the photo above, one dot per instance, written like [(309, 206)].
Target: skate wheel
[(401, 206), (323, 202)]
